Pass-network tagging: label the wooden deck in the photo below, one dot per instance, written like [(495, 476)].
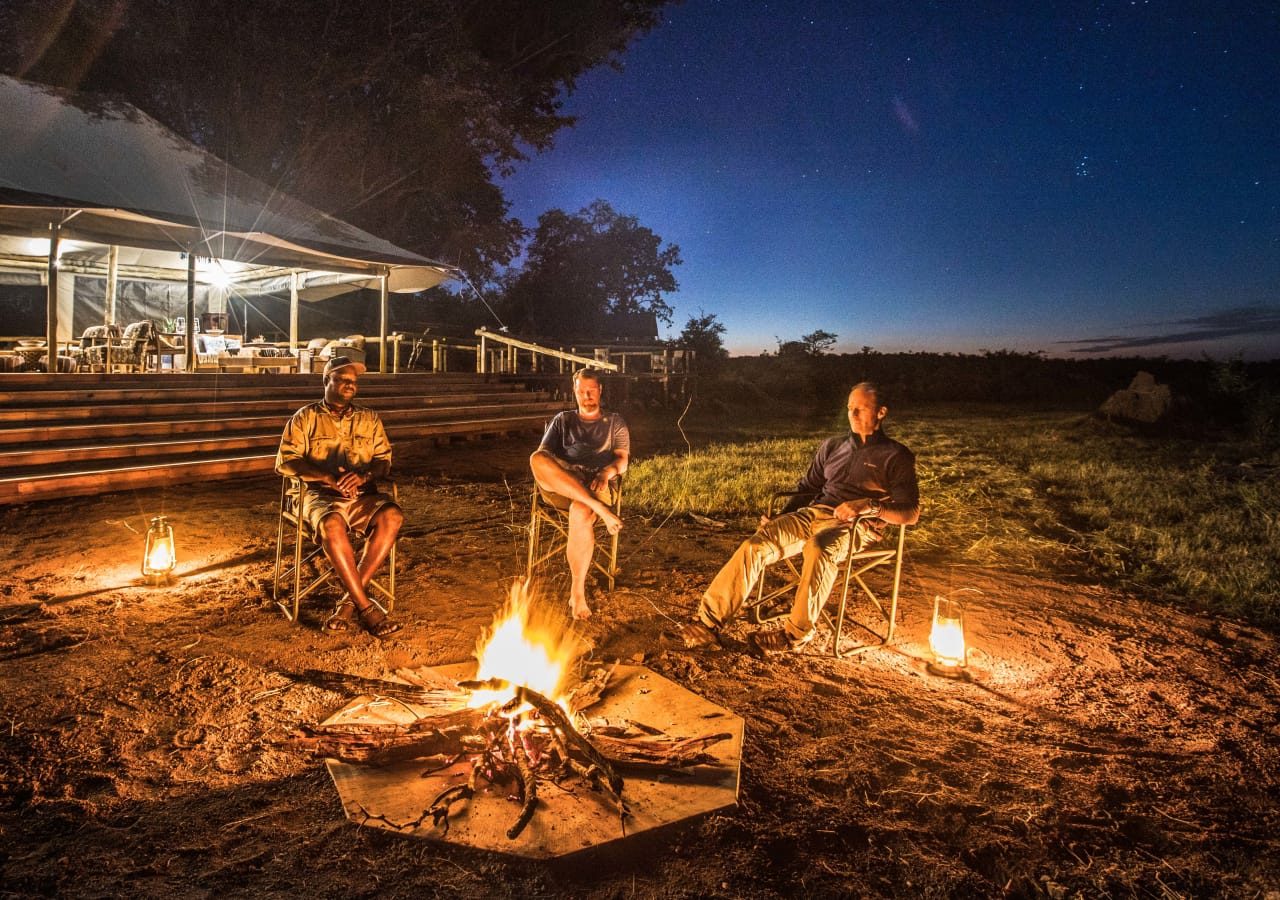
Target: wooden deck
[(71, 435)]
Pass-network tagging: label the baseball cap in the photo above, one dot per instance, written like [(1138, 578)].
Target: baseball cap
[(343, 362)]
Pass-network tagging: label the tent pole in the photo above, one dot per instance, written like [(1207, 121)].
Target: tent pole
[(113, 272), (51, 322), (295, 279), (191, 311), (382, 323)]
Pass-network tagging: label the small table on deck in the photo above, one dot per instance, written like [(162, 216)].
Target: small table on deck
[(30, 356)]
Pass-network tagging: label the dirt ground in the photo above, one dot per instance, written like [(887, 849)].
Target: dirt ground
[(1104, 745)]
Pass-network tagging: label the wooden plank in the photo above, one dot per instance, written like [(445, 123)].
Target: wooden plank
[(14, 461), (15, 417), (25, 488), (302, 392), (71, 434)]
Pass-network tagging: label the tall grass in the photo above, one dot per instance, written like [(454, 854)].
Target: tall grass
[(1052, 491)]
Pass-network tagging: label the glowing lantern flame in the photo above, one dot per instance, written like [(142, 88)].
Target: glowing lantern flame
[(526, 646), (158, 558), (946, 639)]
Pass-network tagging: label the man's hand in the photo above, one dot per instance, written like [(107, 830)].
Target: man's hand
[(602, 479), (850, 510), (348, 484)]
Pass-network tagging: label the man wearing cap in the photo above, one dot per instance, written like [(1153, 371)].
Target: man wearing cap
[(340, 450)]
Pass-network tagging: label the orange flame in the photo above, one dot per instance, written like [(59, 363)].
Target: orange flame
[(527, 645)]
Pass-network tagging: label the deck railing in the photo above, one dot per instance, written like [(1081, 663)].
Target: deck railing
[(513, 356)]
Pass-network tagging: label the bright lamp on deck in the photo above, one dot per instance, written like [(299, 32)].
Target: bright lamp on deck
[(158, 559), (946, 639)]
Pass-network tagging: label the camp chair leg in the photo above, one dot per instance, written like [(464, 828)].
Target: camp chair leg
[(535, 536), (856, 564), (301, 536), (872, 559), (546, 521)]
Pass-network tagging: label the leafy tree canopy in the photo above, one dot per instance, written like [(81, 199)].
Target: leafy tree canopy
[(815, 343), (704, 334), (585, 267), (392, 114)]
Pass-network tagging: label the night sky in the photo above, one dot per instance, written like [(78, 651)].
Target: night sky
[(956, 176)]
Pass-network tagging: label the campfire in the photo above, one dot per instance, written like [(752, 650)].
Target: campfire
[(518, 727)]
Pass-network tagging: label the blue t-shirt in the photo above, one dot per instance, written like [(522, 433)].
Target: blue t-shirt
[(586, 443)]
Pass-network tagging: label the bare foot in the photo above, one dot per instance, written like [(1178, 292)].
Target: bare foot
[(579, 608), (612, 523)]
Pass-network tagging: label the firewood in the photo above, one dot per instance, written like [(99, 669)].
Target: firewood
[(589, 690), (669, 753), (453, 733), (528, 783), (556, 718), (354, 686)]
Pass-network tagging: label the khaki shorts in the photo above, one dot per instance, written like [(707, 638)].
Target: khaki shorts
[(357, 512), (584, 475)]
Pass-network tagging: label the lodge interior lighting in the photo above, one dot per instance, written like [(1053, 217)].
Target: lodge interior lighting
[(158, 559)]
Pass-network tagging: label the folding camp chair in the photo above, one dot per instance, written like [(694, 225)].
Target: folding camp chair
[(549, 534), (303, 534), (778, 582)]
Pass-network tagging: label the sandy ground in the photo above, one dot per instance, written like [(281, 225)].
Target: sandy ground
[(1104, 745)]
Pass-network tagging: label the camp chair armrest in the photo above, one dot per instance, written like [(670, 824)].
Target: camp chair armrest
[(781, 498), (389, 485)]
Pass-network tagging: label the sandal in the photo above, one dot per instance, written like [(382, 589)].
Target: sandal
[(774, 642), (343, 617), (376, 622), (696, 636)]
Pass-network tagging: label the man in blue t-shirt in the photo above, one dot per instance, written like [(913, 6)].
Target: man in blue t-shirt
[(581, 453)]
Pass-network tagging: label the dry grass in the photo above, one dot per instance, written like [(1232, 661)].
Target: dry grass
[(1037, 490)]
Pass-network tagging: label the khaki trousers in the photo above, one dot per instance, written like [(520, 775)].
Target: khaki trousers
[(811, 530)]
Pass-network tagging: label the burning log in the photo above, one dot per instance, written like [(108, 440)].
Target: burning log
[(354, 686), (666, 754), (451, 734)]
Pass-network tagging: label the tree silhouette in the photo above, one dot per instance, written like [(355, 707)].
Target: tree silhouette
[(395, 115), (583, 268)]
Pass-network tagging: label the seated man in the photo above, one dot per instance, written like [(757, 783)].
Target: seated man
[(862, 479), (340, 450), (580, 454)]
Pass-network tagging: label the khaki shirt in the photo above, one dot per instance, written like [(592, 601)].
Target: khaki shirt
[(336, 445)]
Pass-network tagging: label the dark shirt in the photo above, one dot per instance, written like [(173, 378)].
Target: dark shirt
[(846, 468), (589, 444)]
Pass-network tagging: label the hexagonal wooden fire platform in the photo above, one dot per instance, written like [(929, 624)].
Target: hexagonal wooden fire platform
[(567, 820)]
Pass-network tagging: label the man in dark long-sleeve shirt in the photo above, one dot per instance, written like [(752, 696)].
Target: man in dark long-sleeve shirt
[(855, 485)]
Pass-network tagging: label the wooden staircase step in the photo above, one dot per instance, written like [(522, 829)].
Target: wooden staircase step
[(75, 481), (266, 433), (70, 435), (18, 417), (296, 393)]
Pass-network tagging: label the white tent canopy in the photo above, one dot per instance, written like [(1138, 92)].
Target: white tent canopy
[(101, 179)]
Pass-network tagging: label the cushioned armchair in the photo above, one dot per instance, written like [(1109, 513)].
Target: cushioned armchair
[(137, 339), (94, 343)]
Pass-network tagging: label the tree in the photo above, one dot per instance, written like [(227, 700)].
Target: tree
[(582, 268), (703, 335), (395, 115), (816, 343), (819, 342)]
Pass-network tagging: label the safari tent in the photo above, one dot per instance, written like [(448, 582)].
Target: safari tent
[(112, 214)]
